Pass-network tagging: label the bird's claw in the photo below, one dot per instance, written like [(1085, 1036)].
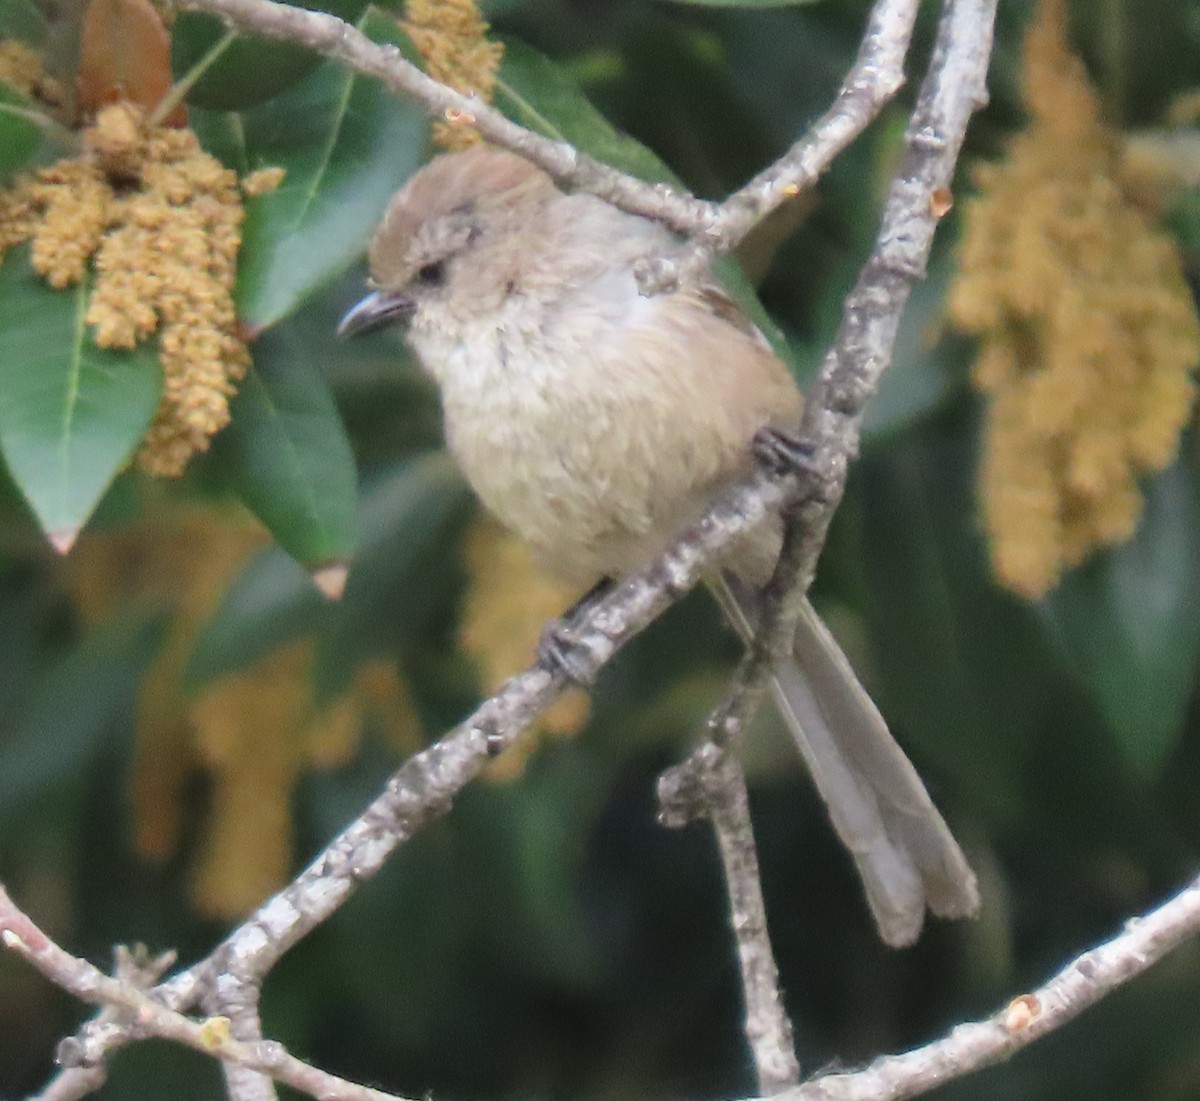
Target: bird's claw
[(558, 651), (783, 453)]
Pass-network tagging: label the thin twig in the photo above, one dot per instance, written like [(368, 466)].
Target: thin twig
[(146, 1016), (972, 1046), (424, 786), (876, 76), (767, 1026), (874, 79), (705, 784)]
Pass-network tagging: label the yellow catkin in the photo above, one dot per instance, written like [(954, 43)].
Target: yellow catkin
[(251, 733), (263, 180), (159, 221), (17, 219), (451, 37), (247, 727), (21, 68), (73, 200), (508, 602), (181, 559), (1088, 335)]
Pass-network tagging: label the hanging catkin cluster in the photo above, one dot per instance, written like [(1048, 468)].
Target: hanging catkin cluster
[(157, 222), (451, 37), (252, 733), (1088, 333)]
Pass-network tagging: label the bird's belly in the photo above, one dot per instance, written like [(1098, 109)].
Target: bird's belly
[(584, 471)]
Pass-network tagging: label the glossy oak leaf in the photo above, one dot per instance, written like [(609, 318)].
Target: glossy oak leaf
[(71, 414), (346, 144), (250, 70), (287, 455)]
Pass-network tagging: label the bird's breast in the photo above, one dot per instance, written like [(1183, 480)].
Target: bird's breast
[(597, 432)]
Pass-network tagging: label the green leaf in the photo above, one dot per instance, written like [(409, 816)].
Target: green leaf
[(21, 19), (71, 414), (252, 69), (19, 134), (1129, 621), (270, 602), (75, 708), (962, 671), (537, 93), (287, 455), (395, 578), (347, 144), (399, 575)]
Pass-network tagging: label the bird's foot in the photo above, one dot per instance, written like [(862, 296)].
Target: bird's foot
[(780, 452), (558, 652), (558, 648)]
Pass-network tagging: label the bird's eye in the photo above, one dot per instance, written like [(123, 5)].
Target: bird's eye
[(432, 275)]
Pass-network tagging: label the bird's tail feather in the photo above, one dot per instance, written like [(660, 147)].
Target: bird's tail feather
[(906, 856)]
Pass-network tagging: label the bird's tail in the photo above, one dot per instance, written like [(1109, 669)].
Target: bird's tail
[(904, 851)]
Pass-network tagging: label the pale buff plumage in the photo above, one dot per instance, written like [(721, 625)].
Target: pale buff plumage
[(596, 422)]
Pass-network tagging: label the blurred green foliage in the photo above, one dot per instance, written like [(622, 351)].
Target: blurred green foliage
[(547, 938)]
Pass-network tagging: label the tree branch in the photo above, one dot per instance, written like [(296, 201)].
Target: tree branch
[(878, 73), (705, 784), (955, 86), (967, 1048), (423, 788), (1027, 1018)]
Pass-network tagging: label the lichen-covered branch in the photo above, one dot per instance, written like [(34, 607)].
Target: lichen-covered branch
[(704, 785), (425, 786)]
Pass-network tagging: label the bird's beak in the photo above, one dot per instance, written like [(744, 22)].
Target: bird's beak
[(376, 310)]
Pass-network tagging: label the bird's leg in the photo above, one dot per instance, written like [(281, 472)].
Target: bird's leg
[(556, 647)]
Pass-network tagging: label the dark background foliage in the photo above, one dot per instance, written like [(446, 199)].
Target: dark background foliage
[(548, 938)]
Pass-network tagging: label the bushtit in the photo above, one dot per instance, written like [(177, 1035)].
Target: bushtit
[(597, 422)]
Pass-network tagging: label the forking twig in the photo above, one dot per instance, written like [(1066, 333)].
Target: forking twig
[(705, 785), (877, 74)]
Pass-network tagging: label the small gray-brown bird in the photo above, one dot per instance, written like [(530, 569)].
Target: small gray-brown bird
[(597, 422)]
